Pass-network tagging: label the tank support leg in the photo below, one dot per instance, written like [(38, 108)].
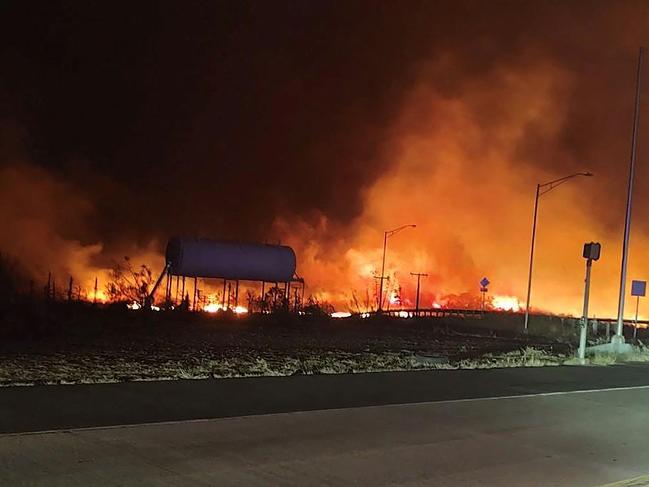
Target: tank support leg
[(149, 299), (168, 293), (195, 288), (287, 295), (223, 296)]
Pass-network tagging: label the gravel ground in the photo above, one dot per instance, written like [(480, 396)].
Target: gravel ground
[(85, 346)]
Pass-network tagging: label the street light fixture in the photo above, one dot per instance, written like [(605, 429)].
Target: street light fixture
[(541, 189), (387, 234)]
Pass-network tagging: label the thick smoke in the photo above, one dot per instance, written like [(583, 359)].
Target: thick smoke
[(45, 221), (460, 177), (464, 166), (39, 211), (323, 125)]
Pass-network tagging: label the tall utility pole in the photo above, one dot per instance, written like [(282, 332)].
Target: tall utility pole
[(541, 189), (419, 276), (386, 235), (619, 337)]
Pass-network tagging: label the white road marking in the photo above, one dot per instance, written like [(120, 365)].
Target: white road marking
[(444, 401), (642, 481)]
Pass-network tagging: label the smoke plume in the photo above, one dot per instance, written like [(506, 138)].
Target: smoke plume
[(322, 125)]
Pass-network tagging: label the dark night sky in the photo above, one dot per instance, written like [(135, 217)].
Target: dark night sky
[(215, 117), (208, 111)]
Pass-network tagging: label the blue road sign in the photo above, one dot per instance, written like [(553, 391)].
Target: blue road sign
[(484, 282), (638, 288)]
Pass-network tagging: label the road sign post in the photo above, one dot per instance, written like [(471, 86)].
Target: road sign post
[(591, 252), (638, 289), (484, 288)]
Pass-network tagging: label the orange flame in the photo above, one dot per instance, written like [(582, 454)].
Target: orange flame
[(506, 303)]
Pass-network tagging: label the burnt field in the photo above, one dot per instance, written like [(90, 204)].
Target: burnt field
[(72, 343)]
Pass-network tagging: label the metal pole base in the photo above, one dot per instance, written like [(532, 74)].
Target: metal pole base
[(617, 346), (581, 353)]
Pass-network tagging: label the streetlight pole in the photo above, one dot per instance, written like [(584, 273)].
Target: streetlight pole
[(529, 273), (419, 276), (387, 234), (619, 337), (541, 189), (382, 277)]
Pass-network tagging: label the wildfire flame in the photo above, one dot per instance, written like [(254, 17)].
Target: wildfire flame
[(341, 314), (506, 303), (216, 307), (100, 296)]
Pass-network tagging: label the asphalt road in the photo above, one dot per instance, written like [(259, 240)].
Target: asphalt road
[(41, 408), (559, 434)]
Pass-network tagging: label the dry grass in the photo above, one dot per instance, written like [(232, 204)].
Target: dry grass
[(527, 357), (96, 369)]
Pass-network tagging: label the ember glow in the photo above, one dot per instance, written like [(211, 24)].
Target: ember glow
[(135, 306)]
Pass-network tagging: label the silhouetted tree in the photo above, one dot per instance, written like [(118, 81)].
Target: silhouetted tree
[(128, 284), (12, 277), (315, 307), (275, 300)]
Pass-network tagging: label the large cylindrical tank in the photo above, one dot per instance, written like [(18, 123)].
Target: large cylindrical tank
[(236, 261)]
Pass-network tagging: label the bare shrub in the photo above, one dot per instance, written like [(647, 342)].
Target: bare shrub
[(127, 284)]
